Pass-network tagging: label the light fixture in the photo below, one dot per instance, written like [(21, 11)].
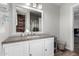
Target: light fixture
[(39, 6), (34, 4), (28, 4)]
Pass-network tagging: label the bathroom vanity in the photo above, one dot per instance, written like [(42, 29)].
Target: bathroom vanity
[(32, 45), (27, 20)]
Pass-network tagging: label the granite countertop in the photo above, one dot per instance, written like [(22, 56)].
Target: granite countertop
[(13, 39)]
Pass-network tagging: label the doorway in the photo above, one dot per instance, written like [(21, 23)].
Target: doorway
[(76, 27)]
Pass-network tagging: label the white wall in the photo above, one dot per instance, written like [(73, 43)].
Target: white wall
[(51, 19), (4, 22), (12, 18), (66, 25), (4, 30)]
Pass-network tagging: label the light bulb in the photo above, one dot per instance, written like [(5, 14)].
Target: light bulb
[(28, 4), (39, 6), (34, 4)]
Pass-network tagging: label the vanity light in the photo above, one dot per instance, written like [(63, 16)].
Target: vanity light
[(39, 6), (28, 4), (34, 4)]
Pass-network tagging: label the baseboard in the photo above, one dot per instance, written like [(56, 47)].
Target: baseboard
[(69, 49)]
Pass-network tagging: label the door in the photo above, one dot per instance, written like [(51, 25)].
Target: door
[(36, 47), (16, 49), (49, 46)]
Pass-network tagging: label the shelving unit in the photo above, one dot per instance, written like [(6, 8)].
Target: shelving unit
[(20, 23)]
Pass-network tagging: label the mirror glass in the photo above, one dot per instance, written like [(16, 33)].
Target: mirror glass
[(21, 18), (28, 19), (35, 21)]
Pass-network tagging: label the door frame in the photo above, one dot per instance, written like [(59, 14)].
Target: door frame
[(72, 8)]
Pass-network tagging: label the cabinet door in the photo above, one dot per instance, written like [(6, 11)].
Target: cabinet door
[(49, 46), (36, 47), (16, 49)]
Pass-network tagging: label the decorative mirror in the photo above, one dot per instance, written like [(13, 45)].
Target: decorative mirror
[(29, 18), (35, 21)]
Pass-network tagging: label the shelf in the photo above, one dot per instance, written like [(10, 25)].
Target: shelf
[(20, 23)]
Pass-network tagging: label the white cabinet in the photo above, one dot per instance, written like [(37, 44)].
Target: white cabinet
[(49, 47), (16, 49), (41, 47), (36, 47)]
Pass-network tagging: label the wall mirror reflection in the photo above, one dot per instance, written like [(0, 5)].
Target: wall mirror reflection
[(28, 19), (35, 21), (21, 18)]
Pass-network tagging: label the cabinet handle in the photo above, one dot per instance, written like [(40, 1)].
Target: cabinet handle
[(45, 49), (30, 54)]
